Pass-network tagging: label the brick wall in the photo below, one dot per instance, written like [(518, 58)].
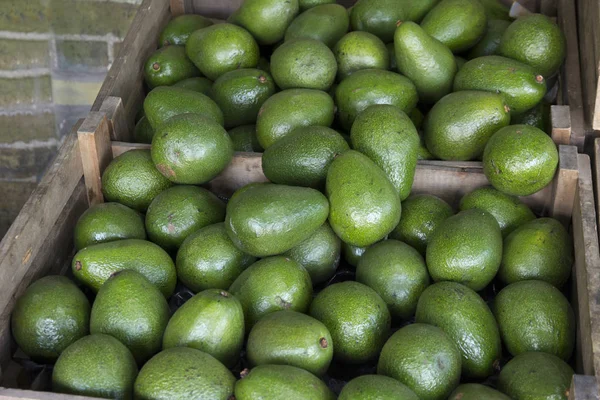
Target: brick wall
[(54, 55)]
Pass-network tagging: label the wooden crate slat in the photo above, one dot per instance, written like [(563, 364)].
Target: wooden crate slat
[(17, 394), (560, 117), (96, 153), (583, 388), (117, 118), (588, 15), (565, 184)]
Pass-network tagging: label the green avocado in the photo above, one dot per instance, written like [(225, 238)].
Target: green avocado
[(417, 118), (51, 315), (460, 62), (538, 116), (325, 22), (191, 149), (96, 366), (468, 321), (376, 387), (167, 66), (352, 254), (290, 338), (459, 125), (378, 17), (423, 153), (360, 50), (212, 321), (424, 358), (357, 318), (535, 316), (95, 264), (490, 41), (495, 9), (266, 20), (392, 56), (308, 4), (476, 391), (143, 131), (180, 211), (197, 84), (179, 29), (272, 284), (244, 139), (133, 310)]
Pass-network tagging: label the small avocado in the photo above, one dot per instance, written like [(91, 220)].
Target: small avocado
[(535, 316), (184, 373), (421, 215), (352, 254), (51, 315), (268, 219), (212, 321), (386, 135), (107, 222), (360, 50), (290, 109), (459, 125), (266, 20), (490, 41), (167, 66), (417, 118), (476, 391), (397, 272), (428, 63), (197, 84), (536, 375), (357, 318), (143, 131), (509, 211), (364, 205), (244, 139), (220, 48), (281, 382), (133, 310), (534, 40), (376, 387), (520, 160), (272, 284), (308, 4), (191, 149), (466, 248), (132, 180), (468, 321), (290, 338), (324, 22), (423, 358), (303, 157), (208, 259), (495, 9), (96, 366), (538, 116), (179, 29), (94, 264), (423, 152)]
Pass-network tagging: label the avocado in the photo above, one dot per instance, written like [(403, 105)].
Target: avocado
[(428, 63), (163, 103), (143, 131), (266, 20), (107, 222), (417, 118), (132, 180), (208, 259), (534, 40), (459, 125), (211, 321), (392, 56), (397, 272), (51, 315), (538, 116), (281, 382), (96, 366), (241, 93), (458, 24), (272, 284), (423, 153), (191, 149), (220, 48), (264, 65), (476, 391), (268, 219), (352, 254), (520, 160), (308, 4), (183, 373), (360, 50), (179, 29), (536, 375), (376, 387), (466, 248), (521, 87), (133, 310), (423, 358), (197, 84), (421, 215), (290, 338), (509, 211), (468, 321), (490, 41), (319, 254), (386, 135), (378, 17), (357, 318), (303, 157), (495, 9), (94, 264), (364, 205), (324, 22), (167, 66), (290, 109), (535, 316), (244, 139), (460, 62)]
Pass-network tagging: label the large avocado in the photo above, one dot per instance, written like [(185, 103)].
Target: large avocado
[(179, 29), (360, 50), (167, 66), (490, 41), (266, 20), (476, 391), (197, 84), (325, 22), (244, 139), (370, 387)]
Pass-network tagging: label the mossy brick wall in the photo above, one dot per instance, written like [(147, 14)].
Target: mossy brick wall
[(54, 55)]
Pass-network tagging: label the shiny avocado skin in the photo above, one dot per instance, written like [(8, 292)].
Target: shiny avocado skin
[(167, 66), (476, 391), (197, 84), (360, 50), (244, 139), (378, 387), (490, 41), (179, 29), (325, 22), (143, 131), (266, 20)]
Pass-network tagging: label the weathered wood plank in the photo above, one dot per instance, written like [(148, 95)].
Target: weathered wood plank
[(588, 15), (583, 387), (565, 184), (96, 154), (16, 394), (560, 117), (120, 128)]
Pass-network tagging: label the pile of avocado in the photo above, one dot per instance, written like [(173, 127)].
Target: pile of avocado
[(332, 280)]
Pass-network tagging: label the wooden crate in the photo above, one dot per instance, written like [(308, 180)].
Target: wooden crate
[(588, 15)]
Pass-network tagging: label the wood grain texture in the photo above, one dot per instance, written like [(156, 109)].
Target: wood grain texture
[(121, 127), (560, 117), (583, 388), (564, 185), (96, 153), (588, 15), (16, 394)]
